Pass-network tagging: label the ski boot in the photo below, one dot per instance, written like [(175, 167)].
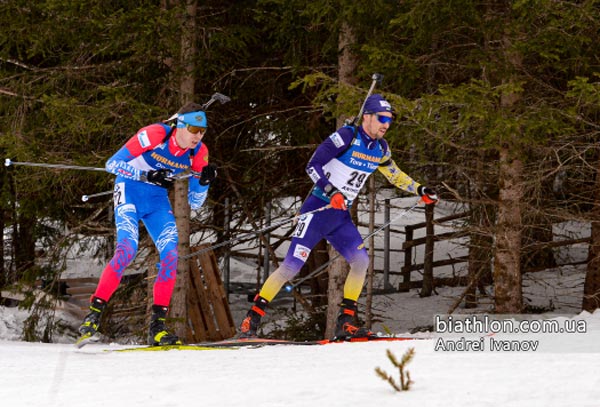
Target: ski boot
[(91, 323), (158, 334), (249, 326), (346, 328)]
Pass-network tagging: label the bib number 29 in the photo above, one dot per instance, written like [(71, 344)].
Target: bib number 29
[(302, 225), (357, 179)]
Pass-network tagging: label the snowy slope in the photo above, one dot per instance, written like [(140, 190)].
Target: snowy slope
[(332, 375)]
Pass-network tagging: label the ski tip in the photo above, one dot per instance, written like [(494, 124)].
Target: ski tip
[(85, 339)]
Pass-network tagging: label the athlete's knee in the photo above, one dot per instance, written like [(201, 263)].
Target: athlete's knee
[(359, 261), (273, 285), (124, 254), (167, 268), (288, 270)]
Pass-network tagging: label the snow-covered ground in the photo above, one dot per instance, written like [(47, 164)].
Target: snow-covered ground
[(563, 370)]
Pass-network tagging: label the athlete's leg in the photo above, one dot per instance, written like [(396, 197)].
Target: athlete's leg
[(161, 227), (309, 231), (160, 223), (126, 220)]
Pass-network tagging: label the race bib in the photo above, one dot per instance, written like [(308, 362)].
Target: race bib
[(303, 222), (119, 194)]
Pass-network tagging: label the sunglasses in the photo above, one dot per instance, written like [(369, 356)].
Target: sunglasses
[(195, 129), (384, 119)]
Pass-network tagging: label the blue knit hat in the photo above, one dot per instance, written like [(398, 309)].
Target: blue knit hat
[(376, 103), (197, 119)]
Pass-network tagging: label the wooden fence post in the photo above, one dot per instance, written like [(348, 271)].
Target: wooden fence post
[(386, 246), (428, 261), (407, 247)]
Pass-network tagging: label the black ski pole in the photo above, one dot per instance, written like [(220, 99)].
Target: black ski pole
[(8, 162)]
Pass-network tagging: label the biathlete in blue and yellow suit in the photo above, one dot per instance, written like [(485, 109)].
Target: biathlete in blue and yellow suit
[(144, 167), (339, 168)]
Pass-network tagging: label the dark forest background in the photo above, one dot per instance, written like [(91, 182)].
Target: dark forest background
[(497, 108)]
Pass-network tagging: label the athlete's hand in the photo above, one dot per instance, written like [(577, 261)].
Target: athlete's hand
[(428, 195), (338, 201), (160, 177), (209, 173)]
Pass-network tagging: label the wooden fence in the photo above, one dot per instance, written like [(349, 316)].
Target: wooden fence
[(408, 249), (428, 240)]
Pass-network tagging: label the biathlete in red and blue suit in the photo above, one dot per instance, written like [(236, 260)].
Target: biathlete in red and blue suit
[(339, 168), (145, 167)]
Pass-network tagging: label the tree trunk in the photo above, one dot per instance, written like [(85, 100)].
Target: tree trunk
[(24, 243), (371, 270), (507, 264), (318, 285), (338, 269), (181, 209), (591, 287)]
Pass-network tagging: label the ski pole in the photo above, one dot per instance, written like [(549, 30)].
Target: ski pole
[(216, 97), (318, 271), (177, 177), (376, 78), (8, 162), (401, 215), (86, 198), (256, 232)]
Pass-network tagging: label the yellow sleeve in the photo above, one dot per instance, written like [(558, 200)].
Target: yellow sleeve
[(396, 176)]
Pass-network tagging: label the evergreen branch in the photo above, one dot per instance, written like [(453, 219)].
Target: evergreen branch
[(405, 380), (388, 378)]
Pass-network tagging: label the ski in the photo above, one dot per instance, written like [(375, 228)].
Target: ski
[(259, 342), (85, 339), (256, 342), (237, 343), (224, 344), (166, 348), (371, 339)]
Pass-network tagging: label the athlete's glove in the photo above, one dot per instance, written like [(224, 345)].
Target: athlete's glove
[(428, 195), (337, 200), (209, 173), (160, 177)]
